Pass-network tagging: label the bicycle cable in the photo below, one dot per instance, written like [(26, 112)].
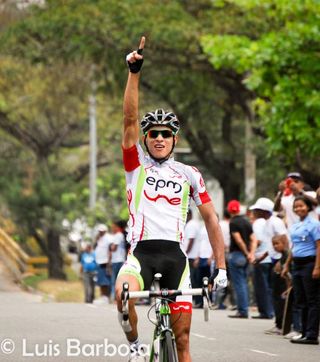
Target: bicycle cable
[(154, 306)]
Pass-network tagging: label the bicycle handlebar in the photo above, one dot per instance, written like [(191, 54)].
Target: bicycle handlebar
[(166, 293)]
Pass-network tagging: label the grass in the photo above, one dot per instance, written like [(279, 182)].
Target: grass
[(70, 290), (33, 280), (62, 291)]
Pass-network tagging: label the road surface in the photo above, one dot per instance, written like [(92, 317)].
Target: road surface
[(31, 330)]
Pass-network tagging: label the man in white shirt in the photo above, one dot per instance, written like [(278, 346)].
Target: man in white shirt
[(204, 259), (102, 252), (263, 265), (289, 189), (190, 246), (118, 249)]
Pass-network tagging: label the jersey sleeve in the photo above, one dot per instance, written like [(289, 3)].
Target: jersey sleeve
[(197, 188), (132, 157)]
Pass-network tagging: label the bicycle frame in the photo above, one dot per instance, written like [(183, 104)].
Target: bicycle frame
[(162, 328)]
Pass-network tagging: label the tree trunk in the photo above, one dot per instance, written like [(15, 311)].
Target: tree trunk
[(55, 267)]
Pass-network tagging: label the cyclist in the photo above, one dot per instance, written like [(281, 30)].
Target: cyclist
[(158, 192)]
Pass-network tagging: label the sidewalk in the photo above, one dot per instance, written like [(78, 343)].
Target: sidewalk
[(7, 283)]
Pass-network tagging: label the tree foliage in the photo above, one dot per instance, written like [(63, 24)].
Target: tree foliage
[(280, 65)]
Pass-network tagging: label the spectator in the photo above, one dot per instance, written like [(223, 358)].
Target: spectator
[(191, 246), (222, 294), (225, 228), (241, 236), (262, 274), (88, 269), (204, 259), (118, 249), (318, 200), (102, 252), (289, 189), (305, 237)]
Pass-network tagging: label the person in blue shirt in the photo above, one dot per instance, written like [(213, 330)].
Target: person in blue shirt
[(305, 255), (89, 270)]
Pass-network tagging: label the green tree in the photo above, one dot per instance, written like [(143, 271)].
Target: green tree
[(279, 64)]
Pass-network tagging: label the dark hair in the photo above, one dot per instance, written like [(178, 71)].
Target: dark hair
[(305, 200), (122, 224), (307, 187)]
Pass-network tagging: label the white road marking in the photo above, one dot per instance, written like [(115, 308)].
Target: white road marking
[(202, 336), (263, 352)]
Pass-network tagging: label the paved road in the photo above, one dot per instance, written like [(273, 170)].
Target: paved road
[(60, 331)]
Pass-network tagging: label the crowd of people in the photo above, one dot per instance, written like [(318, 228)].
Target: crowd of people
[(272, 247)]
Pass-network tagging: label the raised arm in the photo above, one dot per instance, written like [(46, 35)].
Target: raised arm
[(277, 200), (131, 98)]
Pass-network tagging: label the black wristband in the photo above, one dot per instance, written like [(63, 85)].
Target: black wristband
[(136, 66), (213, 276)]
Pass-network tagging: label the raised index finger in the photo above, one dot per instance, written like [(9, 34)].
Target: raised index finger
[(142, 42)]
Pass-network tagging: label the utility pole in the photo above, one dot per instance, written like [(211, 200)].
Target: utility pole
[(249, 165), (93, 142)]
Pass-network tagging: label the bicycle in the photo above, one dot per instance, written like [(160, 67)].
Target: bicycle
[(163, 345)]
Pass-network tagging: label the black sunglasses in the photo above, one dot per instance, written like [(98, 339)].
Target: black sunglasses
[(165, 133)]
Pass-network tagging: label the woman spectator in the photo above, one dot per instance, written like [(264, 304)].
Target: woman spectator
[(305, 237)]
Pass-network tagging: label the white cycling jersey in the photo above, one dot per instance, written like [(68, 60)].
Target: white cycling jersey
[(158, 196)]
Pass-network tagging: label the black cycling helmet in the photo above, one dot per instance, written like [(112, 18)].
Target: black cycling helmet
[(160, 118)]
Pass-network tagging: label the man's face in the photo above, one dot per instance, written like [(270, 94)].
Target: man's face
[(296, 185), (159, 141)]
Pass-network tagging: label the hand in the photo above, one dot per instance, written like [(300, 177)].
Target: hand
[(316, 273), (219, 279), (251, 258), (196, 262), (294, 187), (109, 268), (135, 58), (277, 268), (285, 293)]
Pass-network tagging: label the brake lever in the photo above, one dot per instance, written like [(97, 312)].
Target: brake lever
[(206, 299), (125, 298)]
